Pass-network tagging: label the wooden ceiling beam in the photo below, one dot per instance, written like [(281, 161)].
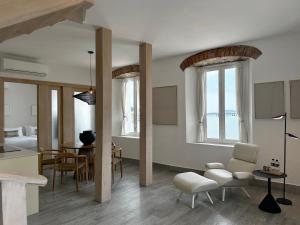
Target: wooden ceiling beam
[(126, 72), (221, 55), (20, 17)]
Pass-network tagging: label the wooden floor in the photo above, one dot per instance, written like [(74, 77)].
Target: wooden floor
[(157, 204)]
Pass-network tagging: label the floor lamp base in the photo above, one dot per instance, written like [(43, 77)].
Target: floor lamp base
[(284, 201)]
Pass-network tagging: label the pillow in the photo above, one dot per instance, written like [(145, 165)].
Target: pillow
[(30, 130), (13, 132), (35, 131)]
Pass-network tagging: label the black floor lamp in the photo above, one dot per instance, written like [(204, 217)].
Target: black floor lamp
[(284, 200)]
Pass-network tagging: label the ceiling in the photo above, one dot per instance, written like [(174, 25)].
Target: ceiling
[(172, 26)]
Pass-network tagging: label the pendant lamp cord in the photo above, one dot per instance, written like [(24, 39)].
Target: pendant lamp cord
[(91, 70)]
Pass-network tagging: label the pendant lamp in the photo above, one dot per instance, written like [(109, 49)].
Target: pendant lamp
[(88, 96)]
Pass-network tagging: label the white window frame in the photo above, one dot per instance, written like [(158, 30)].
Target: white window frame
[(135, 133), (221, 68)]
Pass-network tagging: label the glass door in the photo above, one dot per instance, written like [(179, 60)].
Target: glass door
[(84, 117), (55, 117)]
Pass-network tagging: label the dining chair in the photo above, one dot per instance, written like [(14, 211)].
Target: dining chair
[(46, 158), (116, 158), (70, 162)]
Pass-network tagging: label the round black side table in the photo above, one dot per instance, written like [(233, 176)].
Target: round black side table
[(268, 204)]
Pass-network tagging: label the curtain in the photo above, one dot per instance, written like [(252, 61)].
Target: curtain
[(123, 106), (240, 102), (138, 104), (201, 103)]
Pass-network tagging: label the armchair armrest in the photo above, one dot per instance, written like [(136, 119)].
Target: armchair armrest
[(242, 175), (214, 165)]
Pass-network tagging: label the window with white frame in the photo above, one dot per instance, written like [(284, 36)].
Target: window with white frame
[(222, 114), (130, 107)]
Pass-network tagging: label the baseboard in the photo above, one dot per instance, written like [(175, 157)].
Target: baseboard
[(278, 186), (275, 185), (170, 168)]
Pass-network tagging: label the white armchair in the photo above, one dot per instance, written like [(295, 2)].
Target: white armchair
[(239, 169)]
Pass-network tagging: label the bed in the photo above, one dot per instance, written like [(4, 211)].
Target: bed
[(27, 142)]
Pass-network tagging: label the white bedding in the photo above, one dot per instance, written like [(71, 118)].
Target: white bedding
[(27, 142)]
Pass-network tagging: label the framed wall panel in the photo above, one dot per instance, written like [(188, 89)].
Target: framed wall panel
[(295, 99), (165, 105), (269, 99)]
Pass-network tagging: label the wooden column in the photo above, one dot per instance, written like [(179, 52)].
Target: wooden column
[(68, 115), (103, 114), (1, 111), (145, 114), (44, 117)]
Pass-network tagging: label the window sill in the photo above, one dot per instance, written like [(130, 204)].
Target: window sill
[(127, 136), (213, 144)]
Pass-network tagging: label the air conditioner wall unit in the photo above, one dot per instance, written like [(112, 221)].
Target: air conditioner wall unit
[(24, 67)]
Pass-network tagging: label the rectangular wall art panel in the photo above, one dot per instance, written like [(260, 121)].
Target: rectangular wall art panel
[(269, 99), (165, 105), (295, 99)]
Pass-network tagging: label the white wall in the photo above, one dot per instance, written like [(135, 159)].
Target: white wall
[(280, 61), (84, 117), (19, 98), (169, 142), (59, 73)]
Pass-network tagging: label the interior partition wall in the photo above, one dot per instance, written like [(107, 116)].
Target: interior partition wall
[(54, 111)]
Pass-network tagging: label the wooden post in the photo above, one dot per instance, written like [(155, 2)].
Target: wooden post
[(68, 116), (44, 117), (1, 111), (103, 114), (145, 114)]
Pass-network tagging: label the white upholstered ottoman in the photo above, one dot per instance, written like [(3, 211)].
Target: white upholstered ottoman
[(193, 183)]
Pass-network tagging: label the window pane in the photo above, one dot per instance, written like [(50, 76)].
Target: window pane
[(212, 104), (129, 107), (231, 118)]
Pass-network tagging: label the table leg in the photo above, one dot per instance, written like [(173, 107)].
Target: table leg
[(269, 204)]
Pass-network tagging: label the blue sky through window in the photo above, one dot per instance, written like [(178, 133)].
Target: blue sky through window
[(212, 104), (231, 123)]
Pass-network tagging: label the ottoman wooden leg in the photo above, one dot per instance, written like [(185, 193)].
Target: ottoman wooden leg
[(179, 196), (193, 201), (209, 198)]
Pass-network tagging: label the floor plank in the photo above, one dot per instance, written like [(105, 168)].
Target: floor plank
[(135, 205)]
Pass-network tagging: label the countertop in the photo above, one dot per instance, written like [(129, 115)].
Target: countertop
[(9, 152)]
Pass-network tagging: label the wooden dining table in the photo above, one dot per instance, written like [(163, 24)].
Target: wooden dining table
[(81, 149), (88, 150)]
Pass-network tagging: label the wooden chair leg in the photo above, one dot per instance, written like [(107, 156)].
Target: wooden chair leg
[(53, 183), (113, 173), (77, 177), (86, 171), (41, 169), (121, 168), (61, 176)]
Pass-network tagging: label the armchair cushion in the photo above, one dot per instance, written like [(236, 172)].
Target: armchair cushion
[(242, 175), (245, 152), (214, 165), (221, 176)]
